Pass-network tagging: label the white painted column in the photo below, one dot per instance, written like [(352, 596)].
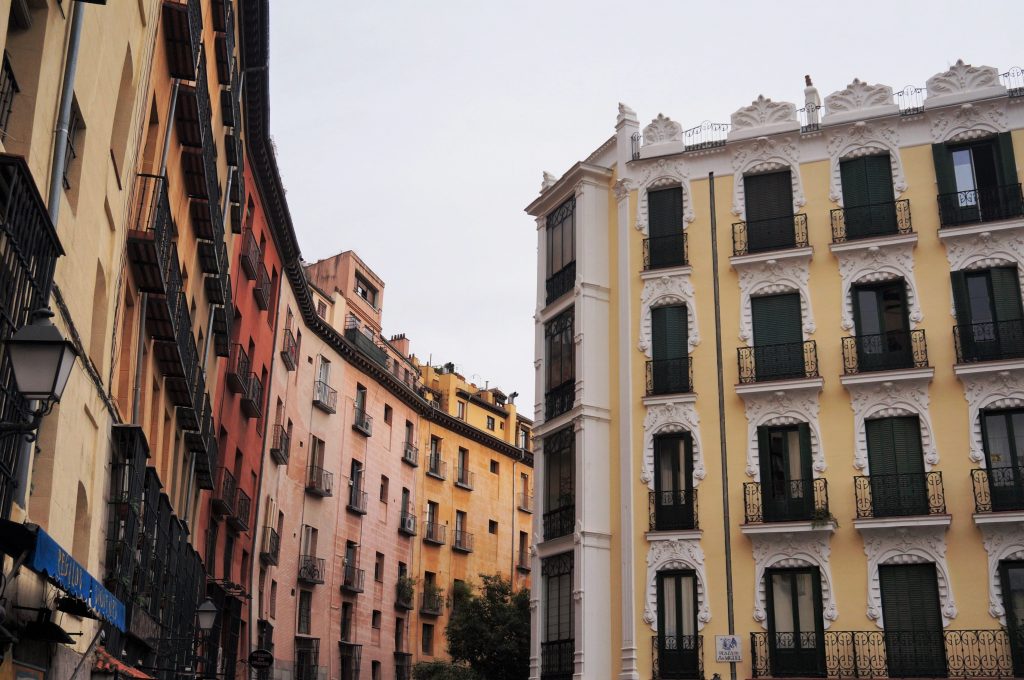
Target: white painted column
[(537, 590)]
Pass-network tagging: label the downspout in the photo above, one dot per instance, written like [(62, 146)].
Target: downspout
[(726, 524)]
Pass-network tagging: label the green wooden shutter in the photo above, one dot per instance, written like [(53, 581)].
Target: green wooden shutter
[(669, 332), (881, 460), (1007, 163), (665, 210), (961, 302), (910, 597), (854, 173), (1006, 293), (879, 179), (906, 439), (944, 177), (768, 196), (776, 319), (805, 452), (763, 456)]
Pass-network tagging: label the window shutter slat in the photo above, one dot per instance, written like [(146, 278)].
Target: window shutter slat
[(879, 179), (944, 177), (881, 460), (855, 182), (669, 332), (768, 196), (961, 302), (665, 210), (1007, 163), (906, 433), (1006, 293), (776, 319)]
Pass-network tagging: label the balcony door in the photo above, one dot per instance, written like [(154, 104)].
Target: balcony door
[(787, 491), (896, 464), (912, 619), (769, 204), (670, 366), (1011, 575), (678, 648), (1003, 439), (883, 327), (795, 625), (665, 225), (989, 314), (778, 336), (673, 492), (978, 180), (869, 204)]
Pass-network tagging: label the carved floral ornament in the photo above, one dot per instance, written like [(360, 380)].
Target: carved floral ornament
[(662, 174), (1004, 389), (969, 121), (664, 555), (789, 407), (671, 418), (810, 549), (1002, 542), (874, 265), (662, 129), (765, 155), (770, 278), (763, 112), (889, 400), (864, 139), (962, 78), (859, 95), (668, 289), (906, 545)]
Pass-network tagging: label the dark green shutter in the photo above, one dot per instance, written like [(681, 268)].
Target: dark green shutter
[(1006, 293), (910, 597), (805, 452), (855, 182), (768, 196), (776, 319), (1007, 164), (763, 454), (906, 439), (961, 302), (944, 177), (669, 332), (665, 210), (879, 179), (881, 460)]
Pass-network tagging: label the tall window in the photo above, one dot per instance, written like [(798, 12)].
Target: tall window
[(883, 326), (913, 620), (366, 291), (787, 484), (316, 452), (678, 653), (665, 247), (669, 371), (674, 506), (795, 626), (305, 612), (1003, 439), (896, 464), (977, 180), (869, 203), (561, 365), (463, 465), (428, 639), (559, 484), (778, 338), (561, 250), (989, 314), (769, 205), (557, 648)]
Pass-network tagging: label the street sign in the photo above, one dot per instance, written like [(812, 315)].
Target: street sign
[(728, 649), (261, 659)]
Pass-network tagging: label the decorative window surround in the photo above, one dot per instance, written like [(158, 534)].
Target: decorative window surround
[(663, 555), (968, 121), (864, 139), (875, 264), (1002, 542), (908, 545), (785, 272), (783, 408), (889, 399), (793, 550), (662, 174), (983, 248), (679, 416), (1004, 389), (858, 101), (765, 155), (962, 82), (667, 289)]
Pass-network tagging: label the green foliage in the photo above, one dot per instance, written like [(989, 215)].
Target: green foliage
[(442, 670), (491, 630)]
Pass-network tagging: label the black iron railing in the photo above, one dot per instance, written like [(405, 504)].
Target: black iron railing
[(307, 658), (357, 499), (989, 341), (436, 467), (239, 520), (225, 492), (202, 442), (980, 205), (786, 501), (910, 100), (251, 255), (810, 117), (899, 495), (561, 282), (777, 233), (289, 350), (778, 362), (634, 146), (270, 550), (885, 351), (432, 602), (560, 521), (238, 370), (312, 569), (559, 400), (678, 657), (556, 659), (280, 445), (252, 397), (661, 252), (319, 482), (707, 135), (877, 219), (463, 541), (261, 289), (434, 533), (407, 523), (998, 489), (885, 654), (8, 89), (669, 376), (525, 501), (352, 578), (150, 234), (673, 510), (325, 397), (1013, 81), (411, 454), (362, 421)]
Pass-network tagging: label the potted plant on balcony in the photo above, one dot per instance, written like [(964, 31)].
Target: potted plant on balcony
[(405, 591), (432, 597)]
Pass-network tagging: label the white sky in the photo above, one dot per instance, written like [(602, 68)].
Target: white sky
[(415, 132)]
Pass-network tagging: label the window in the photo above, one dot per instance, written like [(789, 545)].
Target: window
[(787, 484), (559, 484), (366, 291), (384, 482), (977, 181), (1011, 577), (72, 162), (432, 508), (378, 567), (869, 204), (405, 501), (769, 204), (375, 670), (795, 627), (305, 612), (561, 250), (316, 452), (561, 371), (461, 408), (308, 541), (673, 481), (492, 526), (778, 338), (321, 309), (399, 634), (557, 613), (898, 484), (387, 414), (428, 639), (323, 371), (666, 246), (273, 598), (347, 632), (677, 622), (883, 327), (669, 365), (490, 422), (524, 439), (463, 471), (494, 467), (913, 620), (375, 619), (989, 315), (1003, 439), (410, 437), (360, 398), (523, 559)]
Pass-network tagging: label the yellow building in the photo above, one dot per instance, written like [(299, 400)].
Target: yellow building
[(810, 320)]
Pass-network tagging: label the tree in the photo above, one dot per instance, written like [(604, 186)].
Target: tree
[(491, 631), (442, 670)]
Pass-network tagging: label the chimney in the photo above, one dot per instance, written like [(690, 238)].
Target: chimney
[(812, 102), (400, 343)]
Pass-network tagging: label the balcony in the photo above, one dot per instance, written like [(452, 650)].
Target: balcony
[(224, 26), (787, 361), (170, 325), (312, 569), (889, 654), (796, 500), (998, 489), (251, 255), (434, 533), (319, 482), (556, 660), (523, 561), (361, 421), (325, 397), (673, 510), (222, 501), (669, 376), (183, 28), (407, 524), (525, 502), (190, 412), (662, 252), (981, 205), (464, 479), (261, 290), (867, 221), (150, 232), (238, 369), (363, 340), (352, 579), (561, 282), (280, 445), (252, 397), (779, 233), (223, 319), (202, 442), (559, 400), (989, 341), (289, 350), (560, 521), (405, 593), (436, 467), (357, 499), (307, 659), (270, 552), (8, 89), (899, 495), (678, 657), (239, 521), (463, 541), (892, 351), (411, 455), (432, 601), (403, 666)]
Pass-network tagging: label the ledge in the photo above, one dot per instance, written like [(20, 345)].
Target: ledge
[(667, 399), (771, 256), (874, 242), (981, 367), (898, 375), (651, 274), (550, 311), (555, 546), (980, 228), (806, 526), (682, 535), (770, 386), (909, 521), (1005, 517)]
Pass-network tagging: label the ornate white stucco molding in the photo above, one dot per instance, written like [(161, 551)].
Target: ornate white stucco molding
[(766, 155), (875, 264), (675, 554), (788, 407), (987, 249), (772, 277), (859, 100), (809, 549), (762, 117), (668, 289), (969, 121), (668, 418), (1004, 389), (662, 129), (908, 545), (662, 174), (962, 82), (888, 400), (864, 139), (1002, 542)]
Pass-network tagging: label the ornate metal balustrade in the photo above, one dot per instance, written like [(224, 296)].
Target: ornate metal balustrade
[(661, 252), (319, 482), (786, 501), (312, 569), (270, 552), (998, 489), (810, 118), (877, 219), (556, 659), (910, 100), (280, 445), (325, 397), (989, 341), (559, 400), (673, 510), (899, 495), (669, 376), (1013, 81), (885, 351), (560, 521), (777, 233), (986, 204), (707, 135), (778, 362), (561, 282), (678, 657)]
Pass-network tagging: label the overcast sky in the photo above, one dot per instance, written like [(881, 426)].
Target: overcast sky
[(415, 132)]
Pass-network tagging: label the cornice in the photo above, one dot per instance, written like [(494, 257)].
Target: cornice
[(565, 186)]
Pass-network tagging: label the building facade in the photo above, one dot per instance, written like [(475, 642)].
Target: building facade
[(810, 322)]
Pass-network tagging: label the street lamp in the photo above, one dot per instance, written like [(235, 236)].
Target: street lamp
[(207, 615)]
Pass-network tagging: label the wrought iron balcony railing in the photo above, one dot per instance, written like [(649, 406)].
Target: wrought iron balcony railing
[(669, 376), (239, 520), (182, 28), (238, 370), (357, 500), (998, 489), (661, 252), (778, 233), (203, 444), (407, 523), (319, 482), (362, 421), (432, 601), (352, 578), (464, 479), (560, 521), (885, 351), (312, 569), (678, 656), (762, 363), (559, 400), (403, 666), (251, 255), (561, 282), (556, 659), (865, 221), (434, 533), (523, 560), (411, 454), (289, 350), (463, 541), (8, 90), (525, 501), (252, 397), (707, 135), (899, 495), (673, 510), (222, 501), (325, 397), (981, 205), (989, 341), (261, 289), (150, 233), (436, 467), (786, 501), (280, 445), (270, 550)]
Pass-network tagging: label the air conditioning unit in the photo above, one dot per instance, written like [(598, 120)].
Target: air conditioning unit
[(409, 524)]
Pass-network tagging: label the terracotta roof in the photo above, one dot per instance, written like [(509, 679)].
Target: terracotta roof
[(108, 664)]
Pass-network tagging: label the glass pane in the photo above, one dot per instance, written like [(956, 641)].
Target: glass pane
[(867, 308), (794, 469), (1018, 437), (1015, 598), (689, 607), (555, 243), (565, 607), (805, 603), (998, 441), (892, 308), (782, 610), (670, 606), (979, 299), (963, 171)]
